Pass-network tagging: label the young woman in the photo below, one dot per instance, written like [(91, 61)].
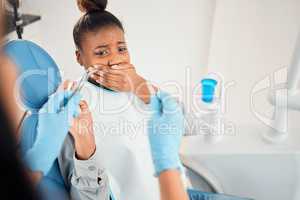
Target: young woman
[(100, 41), (118, 99)]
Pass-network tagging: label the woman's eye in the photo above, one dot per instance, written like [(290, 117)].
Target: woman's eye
[(102, 53), (122, 49)]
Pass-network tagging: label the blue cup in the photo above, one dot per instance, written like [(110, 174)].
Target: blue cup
[(208, 89)]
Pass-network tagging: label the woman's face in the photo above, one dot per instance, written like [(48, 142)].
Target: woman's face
[(105, 47)]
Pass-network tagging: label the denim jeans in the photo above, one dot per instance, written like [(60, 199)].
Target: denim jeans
[(198, 195)]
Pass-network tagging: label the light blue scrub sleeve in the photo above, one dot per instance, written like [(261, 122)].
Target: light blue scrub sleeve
[(53, 126), (52, 185)]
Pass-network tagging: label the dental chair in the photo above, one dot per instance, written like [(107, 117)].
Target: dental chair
[(38, 78)]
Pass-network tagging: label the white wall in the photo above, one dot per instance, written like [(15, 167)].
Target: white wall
[(251, 39), (54, 31)]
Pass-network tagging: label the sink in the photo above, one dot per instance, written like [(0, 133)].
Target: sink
[(257, 176)]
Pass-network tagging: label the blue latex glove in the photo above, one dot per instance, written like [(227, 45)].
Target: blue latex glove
[(166, 127), (53, 127)]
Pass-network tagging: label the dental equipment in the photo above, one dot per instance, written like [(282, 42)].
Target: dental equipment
[(284, 99), (211, 108), (80, 85)]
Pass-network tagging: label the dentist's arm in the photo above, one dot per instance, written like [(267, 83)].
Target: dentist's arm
[(53, 126), (171, 186), (165, 131)]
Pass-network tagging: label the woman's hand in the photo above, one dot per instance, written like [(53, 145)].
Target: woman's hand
[(83, 133), (124, 78)]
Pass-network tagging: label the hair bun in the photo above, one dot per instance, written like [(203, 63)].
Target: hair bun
[(92, 5)]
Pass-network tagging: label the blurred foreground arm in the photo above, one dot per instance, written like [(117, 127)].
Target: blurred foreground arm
[(165, 131)]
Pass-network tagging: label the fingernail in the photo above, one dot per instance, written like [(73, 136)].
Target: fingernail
[(99, 80), (101, 73), (115, 66)]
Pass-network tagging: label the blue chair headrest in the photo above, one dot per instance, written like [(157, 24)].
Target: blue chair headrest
[(39, 75)]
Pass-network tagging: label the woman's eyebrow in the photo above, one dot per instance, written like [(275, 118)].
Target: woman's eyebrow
[(106, 45), (102, 46)]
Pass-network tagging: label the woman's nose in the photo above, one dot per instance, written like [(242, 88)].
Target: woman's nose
[(116, 59)]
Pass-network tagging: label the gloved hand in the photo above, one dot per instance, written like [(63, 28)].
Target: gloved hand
[(53, 126), (166, 127)]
